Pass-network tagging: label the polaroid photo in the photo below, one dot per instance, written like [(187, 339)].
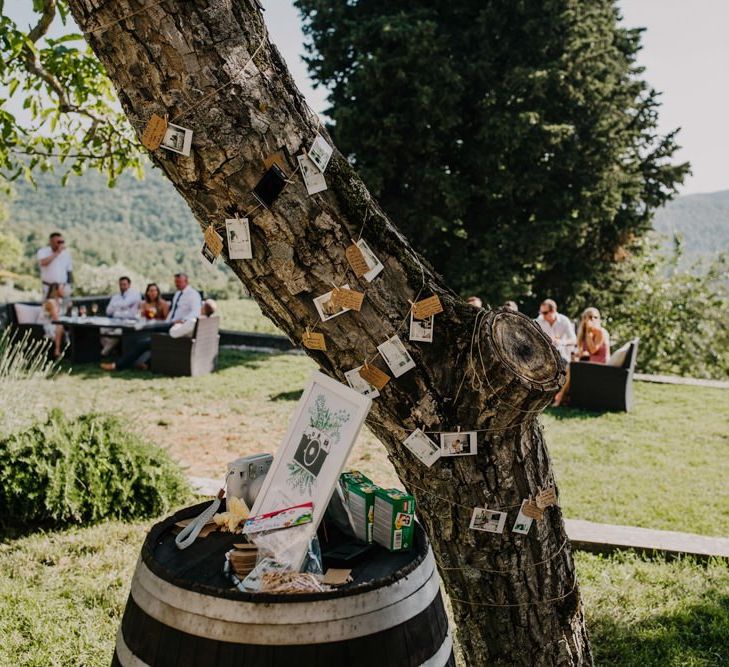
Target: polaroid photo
[(313, 178), (270, 185), (320, 153), (239, 238), (207, 254), (489, 521), (523, 523), (421, 330), (326, 309), (396, 356), (373, 263), (177, 139), (358, 383), (422, 447), (463, 443)]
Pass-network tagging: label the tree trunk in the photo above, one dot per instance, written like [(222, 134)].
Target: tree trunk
[(515, 598)]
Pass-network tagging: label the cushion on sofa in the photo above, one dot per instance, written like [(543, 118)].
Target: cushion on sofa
[(25, 314)]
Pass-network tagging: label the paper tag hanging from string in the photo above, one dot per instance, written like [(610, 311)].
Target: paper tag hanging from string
[(276, 158), (546, 497), (374, 376), (427, 451), (154, 132), (356, 260), (314, 341), (427, 307), (213, 240), (347, 298), (529, 508)]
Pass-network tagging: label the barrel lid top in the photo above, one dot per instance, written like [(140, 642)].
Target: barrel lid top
[(199, 568)]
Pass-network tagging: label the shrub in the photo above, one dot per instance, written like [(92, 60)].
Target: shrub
[(82, 471)]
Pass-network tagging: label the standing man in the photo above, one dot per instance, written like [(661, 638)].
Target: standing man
[(186, 303), (558, 327), (55, 265)]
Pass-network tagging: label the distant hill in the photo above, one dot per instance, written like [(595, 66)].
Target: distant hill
[(143, 228), (702, 221)]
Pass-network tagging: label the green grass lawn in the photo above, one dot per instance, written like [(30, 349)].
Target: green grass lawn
[(244, 315), (63, 595)]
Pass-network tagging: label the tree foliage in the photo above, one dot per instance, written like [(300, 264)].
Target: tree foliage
[(68, 111), (514, 140)]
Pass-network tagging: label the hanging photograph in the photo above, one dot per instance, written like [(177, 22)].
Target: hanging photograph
[(239, 238), (422, 447), (177, 139), (358, 383), (463, 443), (421, 330), (207, 254), (313, 453), (374, 264), (396, 356), (490, 521), (523, 523), (326, 308), (320, 153), (270, 185), (313, 178)]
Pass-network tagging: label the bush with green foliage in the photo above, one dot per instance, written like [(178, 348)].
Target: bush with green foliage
[(82, 471)]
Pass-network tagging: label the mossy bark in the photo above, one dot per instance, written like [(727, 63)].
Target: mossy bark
[(492, 370)]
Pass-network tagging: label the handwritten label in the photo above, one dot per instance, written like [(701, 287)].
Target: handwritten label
[(374, 376), (347, 298), (530, 509), (154, 132), (547, 497), (213, 241), (314, 341), (427, 307), (356, 260)]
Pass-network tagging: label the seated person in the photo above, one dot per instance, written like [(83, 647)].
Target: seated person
[(593, 344), (593, 340), (50, 311), (186, 305), (154, 307), (558, 327), (186, 328), (121, 306)]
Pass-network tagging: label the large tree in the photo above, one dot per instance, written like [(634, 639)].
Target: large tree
[(515, 142), (209, 66)]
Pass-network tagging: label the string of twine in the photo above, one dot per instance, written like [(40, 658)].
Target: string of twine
[(470, 508), (519, 604), (501, 429), (443, 568), (104, 26)]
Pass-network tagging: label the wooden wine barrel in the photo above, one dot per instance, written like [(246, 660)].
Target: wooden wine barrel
[(182, 611)]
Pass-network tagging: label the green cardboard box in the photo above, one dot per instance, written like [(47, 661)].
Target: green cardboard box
[(394, 519), (361, 502)]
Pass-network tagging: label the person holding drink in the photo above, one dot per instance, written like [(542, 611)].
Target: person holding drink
[(154, 307)]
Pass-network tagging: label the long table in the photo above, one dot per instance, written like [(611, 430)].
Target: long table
[(85, 334)]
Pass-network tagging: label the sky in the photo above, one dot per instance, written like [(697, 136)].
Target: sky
[(685, 53)]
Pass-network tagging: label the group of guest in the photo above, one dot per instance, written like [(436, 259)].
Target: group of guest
[(183, 312), (590, 343)]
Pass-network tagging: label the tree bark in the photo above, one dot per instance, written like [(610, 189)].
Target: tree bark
[(515, 598)]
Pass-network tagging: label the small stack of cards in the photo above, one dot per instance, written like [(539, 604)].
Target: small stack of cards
[(243, 558)]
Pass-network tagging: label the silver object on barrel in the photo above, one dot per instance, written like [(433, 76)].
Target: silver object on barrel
[(245, 477)]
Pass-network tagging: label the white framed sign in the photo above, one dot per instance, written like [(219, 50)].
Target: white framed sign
[(314, 450)]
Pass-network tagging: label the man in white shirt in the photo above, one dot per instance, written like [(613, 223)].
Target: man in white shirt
[(186, 303), (124, 305), (55, 265), (186, 328), (558, 327)]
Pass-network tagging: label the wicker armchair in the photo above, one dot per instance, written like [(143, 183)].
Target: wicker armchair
[(197, 355)]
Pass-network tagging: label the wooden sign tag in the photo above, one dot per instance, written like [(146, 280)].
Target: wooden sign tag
[(154, 132), (276, 158), (213, 240), (547, 497), (532, 510), (314, 341), (347, 298), (374, 376), (427, 307), (356, 260)]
